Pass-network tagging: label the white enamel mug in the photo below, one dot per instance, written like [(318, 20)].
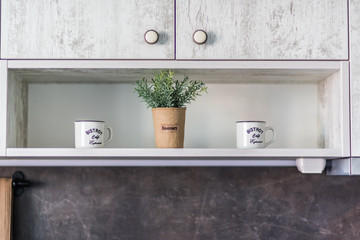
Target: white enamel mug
[(251, 134), (90, 134)]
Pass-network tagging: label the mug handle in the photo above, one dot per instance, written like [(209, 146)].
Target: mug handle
[(110, 134), (273, 138)]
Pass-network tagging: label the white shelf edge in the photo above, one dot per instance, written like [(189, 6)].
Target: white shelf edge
[(143, 163), (221, 153), (173, 64)]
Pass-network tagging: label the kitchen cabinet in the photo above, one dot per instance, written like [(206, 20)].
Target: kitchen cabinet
[(78, 29), (281, 29), (355, 77), (79, 59), (351, 166), (115, 29), (45, 97)]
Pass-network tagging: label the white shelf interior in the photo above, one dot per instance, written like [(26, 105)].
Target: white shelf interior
[(210, 120), (304, 105), (195, 153)]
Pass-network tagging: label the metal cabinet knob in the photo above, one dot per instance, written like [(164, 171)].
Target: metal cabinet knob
[(151, 36), (200, 36)]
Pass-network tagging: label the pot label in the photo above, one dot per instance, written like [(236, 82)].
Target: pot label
[(169, 127)]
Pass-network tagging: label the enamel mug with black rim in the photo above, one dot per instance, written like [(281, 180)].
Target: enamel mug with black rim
[(251, 134)]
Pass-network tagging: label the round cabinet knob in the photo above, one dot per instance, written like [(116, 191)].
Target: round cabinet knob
[(200, 36), (151, 36)]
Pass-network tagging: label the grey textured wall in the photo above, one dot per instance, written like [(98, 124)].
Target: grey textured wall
[(185, 203)]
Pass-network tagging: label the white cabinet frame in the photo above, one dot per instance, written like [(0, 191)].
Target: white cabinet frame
[(3, 106), (335, 89)]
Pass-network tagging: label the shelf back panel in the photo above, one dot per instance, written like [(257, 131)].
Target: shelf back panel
[(298, 103)]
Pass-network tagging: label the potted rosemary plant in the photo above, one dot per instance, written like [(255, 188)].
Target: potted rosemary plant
[(167, 97)]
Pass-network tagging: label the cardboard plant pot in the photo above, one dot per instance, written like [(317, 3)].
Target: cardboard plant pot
[(169, 126)]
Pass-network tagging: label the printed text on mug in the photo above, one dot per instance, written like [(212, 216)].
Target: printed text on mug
[(96, 135), (93, 130), (256, 133)]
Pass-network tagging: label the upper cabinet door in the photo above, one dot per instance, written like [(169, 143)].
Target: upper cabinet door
[(257, 29), (87, 29)]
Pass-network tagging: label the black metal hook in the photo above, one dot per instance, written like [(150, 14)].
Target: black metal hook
[(19, 183)]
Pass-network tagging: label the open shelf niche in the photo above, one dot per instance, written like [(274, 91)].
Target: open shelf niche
[(306, 102)]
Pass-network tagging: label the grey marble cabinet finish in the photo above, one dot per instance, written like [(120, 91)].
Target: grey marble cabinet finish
[(355, 76), (280, 29), (78, 29)]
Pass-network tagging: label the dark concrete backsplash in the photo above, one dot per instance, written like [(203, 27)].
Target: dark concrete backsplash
[(185, 203)]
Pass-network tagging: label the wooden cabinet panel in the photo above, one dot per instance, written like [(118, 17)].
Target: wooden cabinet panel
[(79, 29), (355, 106), (3, 106), (280, 29), (355, 76)]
